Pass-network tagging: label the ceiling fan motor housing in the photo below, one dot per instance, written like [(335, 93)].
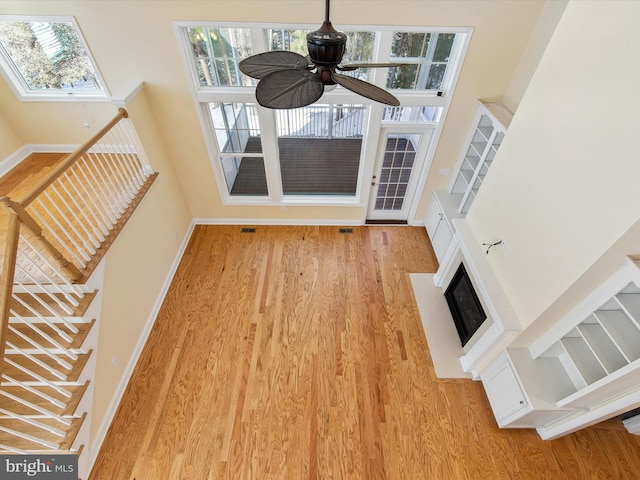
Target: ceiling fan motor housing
[(326, 46)]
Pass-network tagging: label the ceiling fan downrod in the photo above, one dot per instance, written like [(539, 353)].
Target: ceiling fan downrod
[(326, 47)]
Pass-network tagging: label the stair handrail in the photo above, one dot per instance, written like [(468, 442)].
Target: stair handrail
[(71, 159), (6, 279), (19, 217)]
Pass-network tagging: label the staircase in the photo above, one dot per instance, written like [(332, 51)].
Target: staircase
[(50, 290), (47, 369)]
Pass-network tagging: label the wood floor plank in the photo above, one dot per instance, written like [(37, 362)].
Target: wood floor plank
[(298, 353)]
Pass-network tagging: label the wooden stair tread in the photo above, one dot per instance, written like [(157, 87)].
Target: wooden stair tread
[(76, 342), (71, 375), (64, 443), (71, 403), (27, 298)]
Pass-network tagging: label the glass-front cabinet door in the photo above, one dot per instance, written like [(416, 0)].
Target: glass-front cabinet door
[(481, 148)]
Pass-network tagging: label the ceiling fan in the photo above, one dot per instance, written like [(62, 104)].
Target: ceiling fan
[(289, 80)]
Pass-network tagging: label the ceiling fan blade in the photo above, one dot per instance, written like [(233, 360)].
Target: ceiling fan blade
[(365, 89), (262, 64), (289, 89), (353, 66)]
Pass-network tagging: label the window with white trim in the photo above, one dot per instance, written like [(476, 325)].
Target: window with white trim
[(47, 58), (212, 53), (239, 146), (216, 53), (427, 56)]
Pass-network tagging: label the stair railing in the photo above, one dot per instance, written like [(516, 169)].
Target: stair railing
[(56, 235)]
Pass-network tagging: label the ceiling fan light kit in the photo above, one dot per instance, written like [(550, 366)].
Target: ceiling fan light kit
[(288, 80)]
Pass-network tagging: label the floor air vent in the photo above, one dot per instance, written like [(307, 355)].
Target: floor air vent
[(345, 230), (248, 230)]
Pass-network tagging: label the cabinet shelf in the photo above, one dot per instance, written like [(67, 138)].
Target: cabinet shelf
[(585, 360), (622, 332), (481, 147), (470, 164), (630, 303), (468, 175), (477, 147), (603, 347)]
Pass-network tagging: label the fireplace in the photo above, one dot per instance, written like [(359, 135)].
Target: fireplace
[(466, 310)]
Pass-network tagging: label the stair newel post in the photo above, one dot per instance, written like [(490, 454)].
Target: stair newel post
[(6, 279), (70, 270)]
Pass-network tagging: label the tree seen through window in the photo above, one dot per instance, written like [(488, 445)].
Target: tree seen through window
[(48, 55)]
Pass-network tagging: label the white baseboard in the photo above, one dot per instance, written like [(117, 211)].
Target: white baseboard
[(286, 222), (23, 152), (632, 425), (13, 160), (274, 221), (94, 449)]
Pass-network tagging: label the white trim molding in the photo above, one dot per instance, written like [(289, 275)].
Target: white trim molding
[(632, 424), (23, 152), (278, 221)]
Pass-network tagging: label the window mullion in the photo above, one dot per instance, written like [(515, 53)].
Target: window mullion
[(425, 63), (259, 41), (269, 138), (454, 62), (381, 54)]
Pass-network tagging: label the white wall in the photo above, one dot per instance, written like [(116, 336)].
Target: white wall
[(546, 25), (10, 141), (564, 186)]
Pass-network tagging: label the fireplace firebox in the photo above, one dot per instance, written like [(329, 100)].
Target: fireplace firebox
[(465, 306)]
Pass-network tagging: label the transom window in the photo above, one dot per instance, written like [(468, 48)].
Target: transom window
[(408, 114), (428, 55), (291, 40), (47, 57), (217, 52)]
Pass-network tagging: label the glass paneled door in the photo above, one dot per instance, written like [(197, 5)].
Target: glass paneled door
[(401, 154)]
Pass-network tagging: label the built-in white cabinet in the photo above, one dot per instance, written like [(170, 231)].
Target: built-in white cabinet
[(477, 155), (488, 129), (585, 369), (506, 395), (520, 390), (601, 349), (438, 228)]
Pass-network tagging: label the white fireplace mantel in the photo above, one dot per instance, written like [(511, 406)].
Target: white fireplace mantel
[(502, 324)]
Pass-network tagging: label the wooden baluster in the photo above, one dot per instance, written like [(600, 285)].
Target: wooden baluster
[(22, 216)]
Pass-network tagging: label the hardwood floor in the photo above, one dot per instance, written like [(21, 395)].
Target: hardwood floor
[(298, 353), (27, 173)]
